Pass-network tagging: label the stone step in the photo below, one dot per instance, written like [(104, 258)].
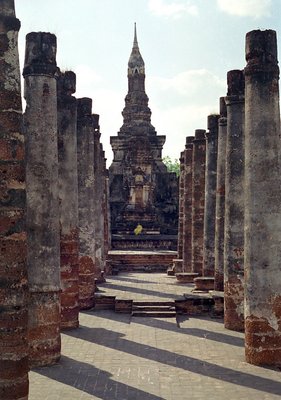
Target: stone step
[(154, 303), (155, 314), (154, 308)]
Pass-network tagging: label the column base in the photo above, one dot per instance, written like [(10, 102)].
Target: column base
[(44, 329), (262, 342), (204, 283), (186, 277)]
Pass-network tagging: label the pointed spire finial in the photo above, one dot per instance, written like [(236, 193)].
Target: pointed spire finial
[(135, 37)]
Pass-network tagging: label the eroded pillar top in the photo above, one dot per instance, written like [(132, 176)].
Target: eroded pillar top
[(40, 54), (261, 46), (8, 8), (188, 141), (8, 20), (223, 109), (235, 83), (212, 123), (200, 134), (67, 83), (84, 107)]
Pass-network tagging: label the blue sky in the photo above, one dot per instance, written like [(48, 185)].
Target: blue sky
[(187, 45)]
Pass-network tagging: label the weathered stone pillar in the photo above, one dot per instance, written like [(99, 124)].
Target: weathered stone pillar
[(198, 199), (86, 126), (98, 203), (100, 249), (187, 205), (13, 268), (181, 201), (210, 196), (220, 199), (107, 234), (263, 205), (104, 211), (42, 198), (234, 204), (68, 200)]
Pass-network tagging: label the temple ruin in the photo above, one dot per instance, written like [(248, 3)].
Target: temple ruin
[(64, 217), (142, 192)]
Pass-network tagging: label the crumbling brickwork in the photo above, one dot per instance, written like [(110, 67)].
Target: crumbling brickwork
[(198, 199), (210, 196), (262, 200), (234, 204), (220, 199), (68, 200), (42, 216), (86, 126), (13, 263), (187, 205)]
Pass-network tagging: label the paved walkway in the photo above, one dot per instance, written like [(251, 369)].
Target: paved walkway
[(117, 357), (145, 286)]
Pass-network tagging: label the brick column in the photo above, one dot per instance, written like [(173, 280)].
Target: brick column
[(42, 198), (210, 196), (234, 204), (187, 205), (263, 205), (198, 199), (98, 203), (107, 229), (13, 268), (181, 200), (86, 126), (220, 199), (68, 200), (103, 208)]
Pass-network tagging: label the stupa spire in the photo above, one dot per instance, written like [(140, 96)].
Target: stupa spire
[(135, 44), (136, 63)]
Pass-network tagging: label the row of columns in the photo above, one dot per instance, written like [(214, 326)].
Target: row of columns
[(230, 219), (53, 205)]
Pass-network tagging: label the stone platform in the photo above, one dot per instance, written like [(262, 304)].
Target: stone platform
[(137, 260), (148, 242)]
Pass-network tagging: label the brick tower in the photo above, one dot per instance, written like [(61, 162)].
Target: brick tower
[(142, 192)]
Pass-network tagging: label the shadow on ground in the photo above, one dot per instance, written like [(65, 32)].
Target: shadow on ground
[(116, 341)]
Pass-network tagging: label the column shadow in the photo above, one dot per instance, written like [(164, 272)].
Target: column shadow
[(148, 292), (91, 380), (116, 341), (198, 332)]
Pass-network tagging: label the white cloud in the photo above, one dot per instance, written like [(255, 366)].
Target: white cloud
[(172, 9), (179, 104), (86, 76), (188, 86), (182, 103), (246, 8)]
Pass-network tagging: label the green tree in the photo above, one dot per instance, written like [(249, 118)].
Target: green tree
[(172, 165)]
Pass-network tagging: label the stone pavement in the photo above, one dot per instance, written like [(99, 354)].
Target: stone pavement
[(119, 357)]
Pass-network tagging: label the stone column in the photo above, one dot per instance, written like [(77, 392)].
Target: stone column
[(42, 198), (68, 200), (234, 204), (85, 157), (100, 249), (187, 205), (181, 201), (263, 205), (106, 220), (210, 196), (220, 199), (13, 268), (198, 199), (98, 202)]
